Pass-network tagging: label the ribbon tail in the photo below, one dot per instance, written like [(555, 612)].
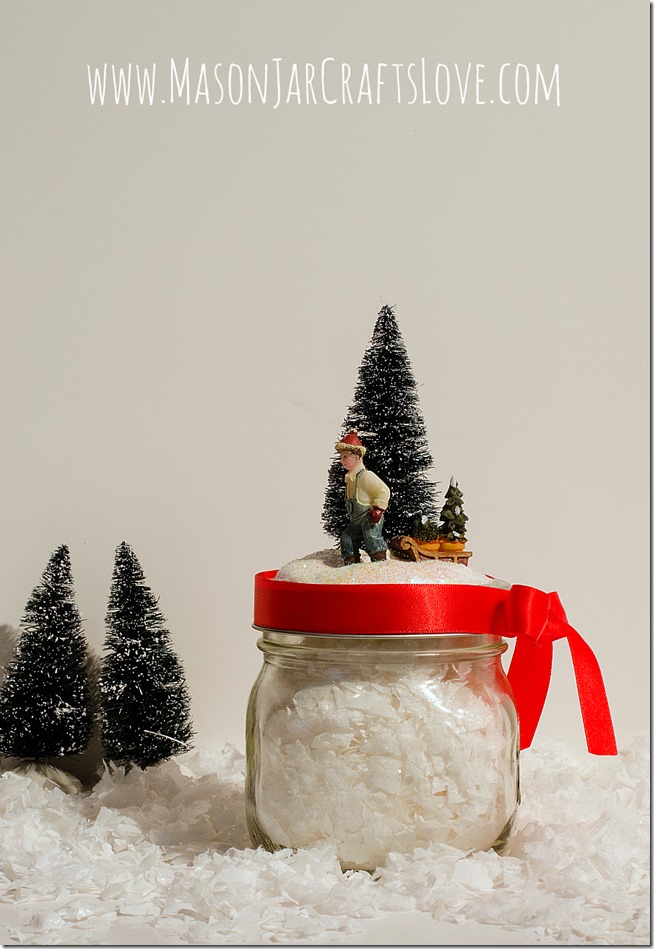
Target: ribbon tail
[(529, 676), (595, 712)]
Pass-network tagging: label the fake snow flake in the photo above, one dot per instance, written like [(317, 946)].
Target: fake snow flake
[(203, 884), (366, 764)]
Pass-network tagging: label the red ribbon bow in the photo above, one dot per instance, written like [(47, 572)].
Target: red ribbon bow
[(534, 618), (537, 619)]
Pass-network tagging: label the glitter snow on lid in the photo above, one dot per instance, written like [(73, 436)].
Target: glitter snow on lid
[(326, 566)]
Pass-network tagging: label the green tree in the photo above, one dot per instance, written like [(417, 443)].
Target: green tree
[(45, 699), (386, 414), (453, 526), (144, 700)]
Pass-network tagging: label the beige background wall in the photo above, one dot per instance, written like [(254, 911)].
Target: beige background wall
[(188, 291)]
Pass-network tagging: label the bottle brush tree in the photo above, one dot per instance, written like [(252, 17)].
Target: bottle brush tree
[(45, 699), (426, 529), (453, 526), (387, 415), (144, 700)]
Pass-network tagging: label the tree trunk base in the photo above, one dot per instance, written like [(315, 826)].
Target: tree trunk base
[(45, 774)]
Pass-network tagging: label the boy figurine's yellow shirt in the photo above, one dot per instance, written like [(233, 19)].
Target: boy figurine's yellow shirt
[(367, 488)]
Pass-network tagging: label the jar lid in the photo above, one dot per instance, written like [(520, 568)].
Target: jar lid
[(374, 609)]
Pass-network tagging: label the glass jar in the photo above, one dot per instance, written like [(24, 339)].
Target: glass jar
[(380, 744)]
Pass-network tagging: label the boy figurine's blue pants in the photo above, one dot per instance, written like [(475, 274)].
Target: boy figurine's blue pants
[(361, 532)]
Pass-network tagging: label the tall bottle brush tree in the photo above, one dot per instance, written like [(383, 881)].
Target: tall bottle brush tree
[(45, 699), (386, 414), (144, 700)]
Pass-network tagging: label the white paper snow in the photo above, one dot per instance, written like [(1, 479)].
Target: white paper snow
[(166, 851)]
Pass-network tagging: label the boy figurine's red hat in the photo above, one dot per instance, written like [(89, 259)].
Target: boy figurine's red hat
[(351, 442)]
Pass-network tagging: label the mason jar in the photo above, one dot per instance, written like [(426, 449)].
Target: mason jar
[(383, 743)]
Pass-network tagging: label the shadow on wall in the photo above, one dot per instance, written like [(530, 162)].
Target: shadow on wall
[(8, 640)]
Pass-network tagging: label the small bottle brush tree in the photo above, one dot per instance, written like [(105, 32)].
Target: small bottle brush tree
[(426, 529), (45, 699), (453, 526), (144, 701), (386, 414)]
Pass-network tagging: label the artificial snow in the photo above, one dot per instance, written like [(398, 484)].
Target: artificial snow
[(326, 566), (162, 856), (357, 761)]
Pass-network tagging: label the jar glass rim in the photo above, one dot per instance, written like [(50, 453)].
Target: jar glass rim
[(415, 644)]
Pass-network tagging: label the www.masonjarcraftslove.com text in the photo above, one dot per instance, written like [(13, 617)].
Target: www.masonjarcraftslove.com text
[(330, 82)]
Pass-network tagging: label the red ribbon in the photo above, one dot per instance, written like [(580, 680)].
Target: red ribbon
[(536, 619)]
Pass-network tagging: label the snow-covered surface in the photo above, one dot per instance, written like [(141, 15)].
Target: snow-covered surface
[(163, 857), (326, 566)]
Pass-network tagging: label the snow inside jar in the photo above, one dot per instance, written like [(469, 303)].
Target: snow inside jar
[(375, 737)]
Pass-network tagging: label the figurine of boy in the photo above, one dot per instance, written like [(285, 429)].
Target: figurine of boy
[(366, 499)]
